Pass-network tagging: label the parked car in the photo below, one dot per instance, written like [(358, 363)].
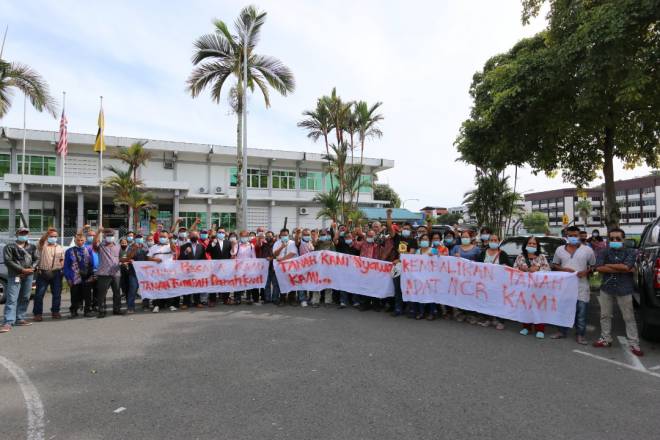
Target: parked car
[(513, 246), (647, 281)]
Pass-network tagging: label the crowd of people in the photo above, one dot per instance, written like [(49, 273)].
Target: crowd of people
[(99, 261)]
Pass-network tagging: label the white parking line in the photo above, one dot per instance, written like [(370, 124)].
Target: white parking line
[(35, 409), (620, 364), (634, 360), (657, 367)]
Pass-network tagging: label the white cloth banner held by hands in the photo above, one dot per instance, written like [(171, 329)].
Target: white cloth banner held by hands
[(183, 277), (538, 297), (331, 270)]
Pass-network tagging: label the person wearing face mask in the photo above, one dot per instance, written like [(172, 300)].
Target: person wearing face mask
[(204, 237), (130, 237), (616, 265), (123, 267), (425, 248), (50, 256), (283, 249), (306, 244), (264, 249), (137, 251), (596, 242), (578, 258), (240, 251), (368, 248), (219, 248), (484, 237), (181, 238), (583, 237), (233, 238), (438, 245), (108, 271), (78, 270), (532, 260), (89, 244), (192, 250), (468, 250), (20, 258), (325, 242), (164, 250), (493, 255), (345, 246), (401, 242)]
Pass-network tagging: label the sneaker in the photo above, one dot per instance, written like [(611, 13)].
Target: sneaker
[(485, 323), (636, 350), (22, 323), (156, 309), (540, 335), (524, 332), (600, 343), (558, 335), (5, 328), (172, 309), (303, 304)]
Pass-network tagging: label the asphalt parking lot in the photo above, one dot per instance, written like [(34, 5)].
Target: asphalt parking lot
[(248, 372)]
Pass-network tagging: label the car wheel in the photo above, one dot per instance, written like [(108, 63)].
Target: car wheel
[(648, 331)]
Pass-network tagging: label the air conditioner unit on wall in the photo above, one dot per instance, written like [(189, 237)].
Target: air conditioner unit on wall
[(202, 190), (303, 211), (218, 190)]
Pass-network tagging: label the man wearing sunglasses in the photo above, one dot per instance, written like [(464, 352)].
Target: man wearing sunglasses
[(616, 263)]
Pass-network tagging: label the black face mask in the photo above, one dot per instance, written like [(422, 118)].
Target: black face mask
[(124, 246), (269, 239), (193, 239)]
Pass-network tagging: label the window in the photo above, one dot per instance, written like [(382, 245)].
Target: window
[(284, 179), (256, 178), (648, 190), (649, 215), (188, 218), (5, 164), (621, 193), (365, 183), (38, 165), (310, 181), (4, 220), (38, 220), (225, 220), (331, 182), (232, 177)]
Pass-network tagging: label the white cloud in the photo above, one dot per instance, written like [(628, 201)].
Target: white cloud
[(416, 57)]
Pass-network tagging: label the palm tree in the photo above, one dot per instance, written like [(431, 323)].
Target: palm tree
[(219, 55), (23, 78), (318, 124), (367, 121), (134, 156), (339, 111), (136, 200), (584, 208), (491, 199), (129, 192), (330, 206), (337, 163)]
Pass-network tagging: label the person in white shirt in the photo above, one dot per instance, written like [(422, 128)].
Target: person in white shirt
[(164, 250), (241, 250), (580, 259), (283, 249)]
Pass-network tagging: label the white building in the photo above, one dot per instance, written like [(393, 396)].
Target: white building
[(188, 181)]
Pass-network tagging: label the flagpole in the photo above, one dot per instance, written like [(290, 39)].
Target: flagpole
[(63, 156), (23, 161), (100, 219), (4, 38)]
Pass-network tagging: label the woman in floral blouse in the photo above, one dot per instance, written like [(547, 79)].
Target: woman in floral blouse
[(532, 260)]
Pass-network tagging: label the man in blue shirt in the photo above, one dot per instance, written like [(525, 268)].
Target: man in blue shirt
[(616, 264)]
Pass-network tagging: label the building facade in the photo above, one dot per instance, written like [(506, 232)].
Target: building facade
[(187, 181), (638, 199)]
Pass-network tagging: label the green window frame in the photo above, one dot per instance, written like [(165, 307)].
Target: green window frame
[(4, 220), (366, 183), (188, 219), (310, 181), (256, 177), (328, 185), (284, 179), (5, 164), (37, 165), (233, 178), (226, 220)]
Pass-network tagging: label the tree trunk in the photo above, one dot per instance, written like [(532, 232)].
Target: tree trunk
[(131, 215), (612, 212), (327, 151), (239, 172)]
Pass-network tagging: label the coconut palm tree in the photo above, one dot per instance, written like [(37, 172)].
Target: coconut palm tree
[(134, 156), (367, 123), (330, 205), (583, 208), (337, 163), (136, 200), (22, 77), (339, 111), (219, 56), (318, 123)]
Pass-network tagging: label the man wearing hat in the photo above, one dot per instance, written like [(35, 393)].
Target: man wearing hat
[(20, 259)]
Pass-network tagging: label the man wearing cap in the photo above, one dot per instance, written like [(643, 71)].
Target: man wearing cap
[(108, 271), (21, 260)]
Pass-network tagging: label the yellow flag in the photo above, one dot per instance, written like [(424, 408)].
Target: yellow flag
[(99, 145)]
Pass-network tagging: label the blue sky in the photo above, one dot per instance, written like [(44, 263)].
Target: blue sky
[(416, 57)]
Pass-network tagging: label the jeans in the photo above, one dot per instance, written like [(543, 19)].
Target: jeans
[(269, 288), (132, 291), (580, 319), (18, 298), (625, 303), (398, 296), (276, 289), (55, 285), (102, 285)]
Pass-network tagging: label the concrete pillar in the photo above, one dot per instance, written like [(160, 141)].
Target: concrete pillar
[(270, 216), (270, 177), (26, 214), (80, 214), (209, 204), (12, 215), (175, 206)]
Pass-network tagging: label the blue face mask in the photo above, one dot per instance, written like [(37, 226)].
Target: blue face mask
[(574, 241), (90, 239), (485, 237), (530, 249), (203, 236), (465, 241), (139, 240), (52, 240), (406, 233), (163, 240), (449, 240), (324, 238), (244, 240), (285, 239), (424, 243), (493, 245), (22, 238), (349, 241), (129, 238), (616, 244), (306, 238), (221, 236), (436, 243)]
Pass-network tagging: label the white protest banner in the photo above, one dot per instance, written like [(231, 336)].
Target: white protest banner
[(538, 297), (183, 277), (330, 270)]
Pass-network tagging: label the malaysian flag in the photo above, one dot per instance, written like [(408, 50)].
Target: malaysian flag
[(62, 144)]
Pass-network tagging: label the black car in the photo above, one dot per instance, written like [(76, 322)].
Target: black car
[(647, 281), (513, 246)]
